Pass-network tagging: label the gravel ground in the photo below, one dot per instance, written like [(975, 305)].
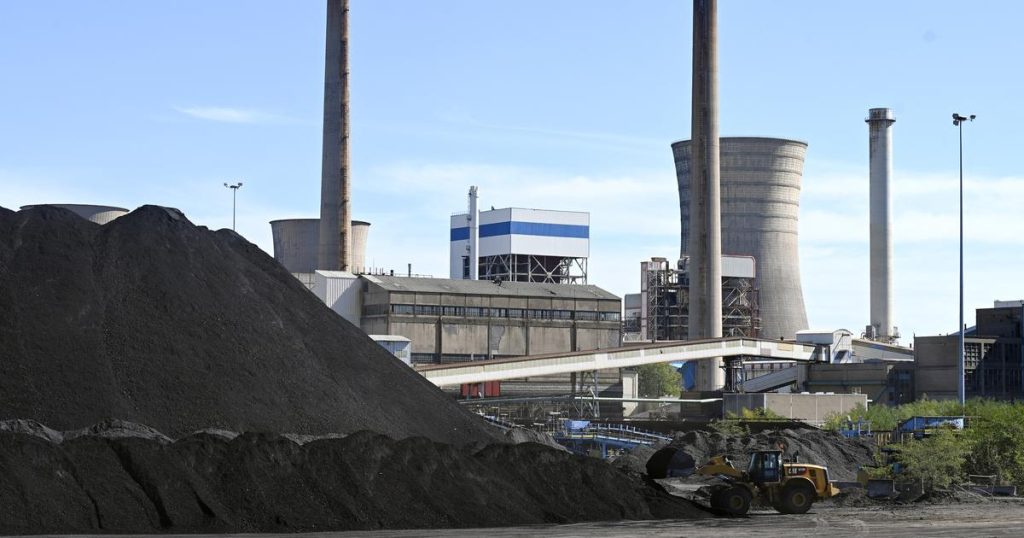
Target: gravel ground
[(994, 518)]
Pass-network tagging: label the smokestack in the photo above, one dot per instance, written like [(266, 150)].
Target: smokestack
[(705, 240), (880, 122), (474, 235), (335, 252)]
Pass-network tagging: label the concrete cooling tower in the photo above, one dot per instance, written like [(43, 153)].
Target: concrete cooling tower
[(360, 229), (100, 214), (760, 186), (295, 243)]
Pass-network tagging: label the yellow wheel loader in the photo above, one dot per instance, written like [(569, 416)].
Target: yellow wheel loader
[(789, 487)]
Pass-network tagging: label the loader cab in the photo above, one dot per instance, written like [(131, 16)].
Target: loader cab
[(765, 467)]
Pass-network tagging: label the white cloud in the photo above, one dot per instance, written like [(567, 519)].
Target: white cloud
[(229, 115)]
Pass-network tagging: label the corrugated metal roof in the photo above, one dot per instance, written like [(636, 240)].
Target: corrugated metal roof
[(486, 287)]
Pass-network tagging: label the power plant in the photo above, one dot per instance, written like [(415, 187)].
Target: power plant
[(880, 122), (151, 317), (760, 211)]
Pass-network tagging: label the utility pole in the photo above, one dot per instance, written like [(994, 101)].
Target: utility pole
[(234, 201)]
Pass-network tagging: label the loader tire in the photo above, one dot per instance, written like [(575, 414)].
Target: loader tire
[(733, 500), (796, 499)]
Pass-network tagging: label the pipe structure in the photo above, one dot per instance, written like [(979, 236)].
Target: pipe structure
[(880, 122), (760, 180), (335, 248), (705, 240)]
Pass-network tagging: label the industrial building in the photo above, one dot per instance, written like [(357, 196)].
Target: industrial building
[(993, 357), (663, 312), (462, 320), (760, 202), (444, 321), (520, 245), (845, 365)]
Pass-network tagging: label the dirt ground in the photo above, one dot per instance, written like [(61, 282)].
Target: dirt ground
[(991, 518)]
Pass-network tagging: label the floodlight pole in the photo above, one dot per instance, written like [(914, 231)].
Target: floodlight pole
[(961, 392), (234, 199)]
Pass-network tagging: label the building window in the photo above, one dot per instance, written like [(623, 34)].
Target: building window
[(375, 309), (587, 316), (424, 358), (403, 309), (427, 310), (451, 311), (610, 316)]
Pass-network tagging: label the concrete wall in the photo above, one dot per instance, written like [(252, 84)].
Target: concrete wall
[(811, 408), (760, 182), (936, 366), (879, 381)]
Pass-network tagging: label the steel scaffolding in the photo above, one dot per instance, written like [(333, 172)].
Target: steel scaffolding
[(534, 268), (665, 299)]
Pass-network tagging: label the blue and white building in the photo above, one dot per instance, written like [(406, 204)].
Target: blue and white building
[(520, 245)]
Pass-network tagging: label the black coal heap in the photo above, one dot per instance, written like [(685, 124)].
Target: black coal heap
[(154, 320)]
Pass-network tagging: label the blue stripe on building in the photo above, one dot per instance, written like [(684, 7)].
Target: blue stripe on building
[(535, 228), (525, 228), (460, 234)]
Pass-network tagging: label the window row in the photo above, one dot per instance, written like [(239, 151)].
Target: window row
[(485, 312)]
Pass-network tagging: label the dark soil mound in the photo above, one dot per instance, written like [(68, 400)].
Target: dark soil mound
[(154, 320), (268, 483), (841, 455)]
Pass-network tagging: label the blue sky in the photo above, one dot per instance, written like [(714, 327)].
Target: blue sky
[(560, 105)]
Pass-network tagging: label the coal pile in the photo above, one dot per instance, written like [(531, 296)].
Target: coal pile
[(154, 320), (841, 455), (121, 477)]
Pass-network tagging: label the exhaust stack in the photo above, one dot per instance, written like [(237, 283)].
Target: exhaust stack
[(705, 240), (335, 245), (880, 122)]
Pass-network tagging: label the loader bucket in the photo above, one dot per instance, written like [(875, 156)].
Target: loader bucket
[(670, 462)]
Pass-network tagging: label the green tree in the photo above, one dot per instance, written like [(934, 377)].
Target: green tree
[(659, 379), (938, 460)]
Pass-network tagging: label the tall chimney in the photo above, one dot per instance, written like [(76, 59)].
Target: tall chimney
[(335, 252), (474, 235), (705, 239), (880, 122)]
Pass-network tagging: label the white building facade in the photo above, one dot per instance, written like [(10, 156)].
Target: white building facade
[(522, 245)]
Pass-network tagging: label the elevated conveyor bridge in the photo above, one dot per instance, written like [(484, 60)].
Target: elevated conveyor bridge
[(620, 357)]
